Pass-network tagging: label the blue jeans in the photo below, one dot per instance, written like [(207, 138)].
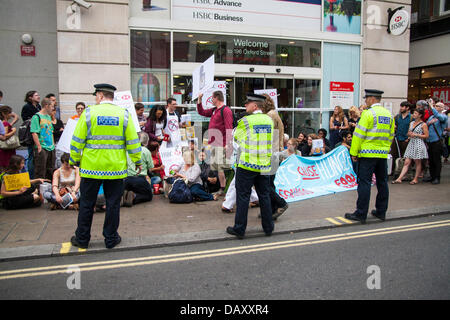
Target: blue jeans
[(198, 192)]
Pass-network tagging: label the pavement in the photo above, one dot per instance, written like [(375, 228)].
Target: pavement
[(40, 232)]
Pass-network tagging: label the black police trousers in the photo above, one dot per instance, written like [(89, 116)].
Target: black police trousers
[(367, 167), (245, 179), (113, 190)]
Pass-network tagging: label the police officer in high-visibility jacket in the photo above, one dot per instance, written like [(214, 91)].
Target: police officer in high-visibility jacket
[(371, 143), (103, 135), (254, 136)]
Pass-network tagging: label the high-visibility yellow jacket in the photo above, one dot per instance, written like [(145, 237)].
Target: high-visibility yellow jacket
[(374, 133), (103, 135), (254, 136)]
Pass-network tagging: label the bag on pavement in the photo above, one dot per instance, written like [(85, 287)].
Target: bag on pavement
[(180, 192)]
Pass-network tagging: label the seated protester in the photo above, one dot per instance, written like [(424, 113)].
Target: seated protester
[(322, 133), (157, 172), (65, 180), (301, 140), (308, 149), (137, 184), (346, 140), (191, 172), (24, 197), (209, 177), (292, 145)]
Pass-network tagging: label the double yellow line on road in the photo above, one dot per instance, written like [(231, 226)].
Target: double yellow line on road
[(135, 262)]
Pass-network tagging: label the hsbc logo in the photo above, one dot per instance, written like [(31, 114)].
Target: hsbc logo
[(272, 94), (398, 19)]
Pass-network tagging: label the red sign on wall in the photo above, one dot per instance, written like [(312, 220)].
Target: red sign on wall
[(27, 51), (342, 86), (443, 94)]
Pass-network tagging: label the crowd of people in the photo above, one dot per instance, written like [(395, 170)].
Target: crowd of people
[(421, 130)]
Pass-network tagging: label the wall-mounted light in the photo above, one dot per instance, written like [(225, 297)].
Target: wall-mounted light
[(27, 38), (423, 71)]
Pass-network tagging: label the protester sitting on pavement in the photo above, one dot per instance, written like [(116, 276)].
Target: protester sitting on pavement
[(24, 197), (209, 177), (137, 188), (6, 154), (308, 150), (157, 172), (416, 149), (322, 134), (65, 180), (156, 122), (230, 198), (301, 140), (292, 145), (346, 139), (191, 172), (79, 107)]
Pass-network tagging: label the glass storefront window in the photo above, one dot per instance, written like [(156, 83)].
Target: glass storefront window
[(307, 93), (150, 65), (196, 47), (428, 81)]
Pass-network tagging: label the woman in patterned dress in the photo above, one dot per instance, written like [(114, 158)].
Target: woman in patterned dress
[(416, 149)]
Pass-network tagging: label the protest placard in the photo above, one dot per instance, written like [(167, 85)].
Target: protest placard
[(271, 92), (66, 137), (16, 181), (207, 96), (203, 78), (125, 100)]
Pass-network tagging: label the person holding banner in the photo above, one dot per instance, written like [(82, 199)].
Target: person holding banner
[(104, 134), (371, 143), (254, 136)]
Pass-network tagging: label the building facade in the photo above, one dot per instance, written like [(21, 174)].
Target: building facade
[(429, 73), (317, 54)]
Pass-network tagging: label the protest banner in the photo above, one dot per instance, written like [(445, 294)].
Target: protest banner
[(16, 181), (66, 137), (203, 78), (272, 93), (125, 100), (300, 178)]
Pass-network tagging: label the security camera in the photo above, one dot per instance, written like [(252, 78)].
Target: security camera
[(83, 3), (252, 69)]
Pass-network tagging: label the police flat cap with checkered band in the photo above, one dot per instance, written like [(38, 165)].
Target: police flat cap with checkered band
[(373, 93), (104, 87)]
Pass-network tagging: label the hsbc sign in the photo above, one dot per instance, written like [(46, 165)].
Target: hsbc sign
[(398, 22)]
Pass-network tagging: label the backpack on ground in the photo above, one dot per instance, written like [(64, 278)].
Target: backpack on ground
[(180, 192), (25, 136)]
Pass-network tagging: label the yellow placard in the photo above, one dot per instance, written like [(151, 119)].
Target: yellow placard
[(16, 181)]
